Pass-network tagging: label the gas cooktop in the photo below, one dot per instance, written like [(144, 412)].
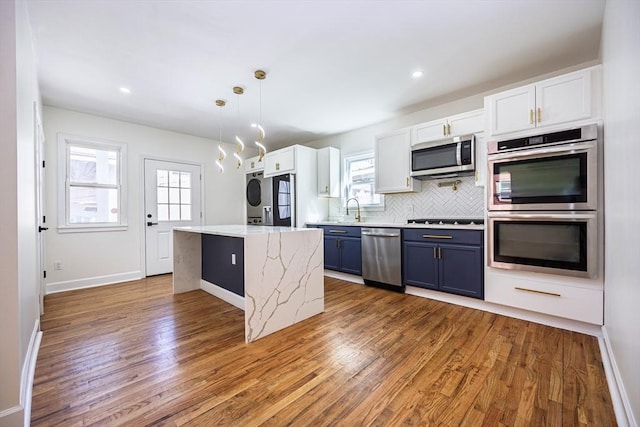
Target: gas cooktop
[(450, 221)]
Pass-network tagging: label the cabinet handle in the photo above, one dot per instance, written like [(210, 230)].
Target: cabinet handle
[(538, 292), (476, 175), (337, 243), (444, 129), (439, 253), (326, 188), (530, 117), (337, 231), (434, 253), (449, 129), (407, 181), (277, 166), (435, 236), (539, 115), (253, 165)]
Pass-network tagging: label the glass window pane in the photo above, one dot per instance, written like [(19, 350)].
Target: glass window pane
[(93, 205), (163, 195), (174, 212), (185, 212), (90, 165), (163, 212), (185, 196), (174, 179), (185, 179), (163, 178), (174, 195)]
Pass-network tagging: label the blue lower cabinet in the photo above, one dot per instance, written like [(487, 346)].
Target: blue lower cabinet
[(448, 267), (351, 255), (218, 266), (342, 249)]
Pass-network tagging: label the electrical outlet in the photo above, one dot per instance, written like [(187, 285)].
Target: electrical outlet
[(57, 265), (408, 208)]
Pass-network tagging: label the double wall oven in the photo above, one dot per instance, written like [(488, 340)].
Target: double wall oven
[(544, 201)]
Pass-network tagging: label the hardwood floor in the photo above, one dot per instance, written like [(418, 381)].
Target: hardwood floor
[(135, 354)]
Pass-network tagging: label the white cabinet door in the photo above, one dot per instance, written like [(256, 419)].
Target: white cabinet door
[(466, 123), (329, 172), (511, 111), (563, 99), (253, 165), (279, 162), (430, 131), (393, 162)]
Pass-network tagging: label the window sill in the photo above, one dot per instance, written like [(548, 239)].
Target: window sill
[(90, 228)]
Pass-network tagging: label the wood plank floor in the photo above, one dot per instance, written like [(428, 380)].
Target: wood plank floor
[(134, 354)]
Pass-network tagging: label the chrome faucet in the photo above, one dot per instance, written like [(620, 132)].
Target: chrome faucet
[(358, 217)]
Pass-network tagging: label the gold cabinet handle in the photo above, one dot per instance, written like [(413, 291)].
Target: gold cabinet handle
[(434, 253), (449, 129), (539, 115), (277, 166), (337, 231), (439, 252), (407, 181), (253, 165), (535, 291), (530, 117), (326, 188), (436, 236), (444, 129), (476, 175)]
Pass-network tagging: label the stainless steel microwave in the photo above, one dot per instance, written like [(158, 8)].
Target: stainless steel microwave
[(454, 156)]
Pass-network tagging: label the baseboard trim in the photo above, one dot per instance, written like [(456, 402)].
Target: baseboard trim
[(12, 416), (91, 282), (223, 294), (544, 319), (619, 397), (344, 276), (28, 371)]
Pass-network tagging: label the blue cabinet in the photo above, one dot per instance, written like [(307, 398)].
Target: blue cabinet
[(342, 249), (455, 266)]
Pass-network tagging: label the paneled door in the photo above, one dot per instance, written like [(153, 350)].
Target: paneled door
[(172, 198)]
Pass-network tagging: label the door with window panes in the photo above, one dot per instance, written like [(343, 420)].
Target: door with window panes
[(172, 199)]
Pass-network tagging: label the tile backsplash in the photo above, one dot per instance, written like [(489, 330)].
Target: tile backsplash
[(468, 201)]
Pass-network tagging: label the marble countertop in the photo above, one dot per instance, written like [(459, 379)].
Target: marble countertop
[(239, 230), (398, 225)]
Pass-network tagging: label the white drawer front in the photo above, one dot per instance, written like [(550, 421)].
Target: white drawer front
[(585, 305)]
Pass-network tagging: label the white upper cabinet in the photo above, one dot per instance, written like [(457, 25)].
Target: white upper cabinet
[(393, 162), (569, 98), (280, 162), (329, 172), (252, 164), (460, 124)]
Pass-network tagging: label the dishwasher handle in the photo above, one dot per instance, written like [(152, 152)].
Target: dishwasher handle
[(367, 233)]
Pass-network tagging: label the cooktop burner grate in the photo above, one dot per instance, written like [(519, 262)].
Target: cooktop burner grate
[(447, 221)]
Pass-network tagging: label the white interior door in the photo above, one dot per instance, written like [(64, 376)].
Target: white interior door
[(41, 218), (172, 195)]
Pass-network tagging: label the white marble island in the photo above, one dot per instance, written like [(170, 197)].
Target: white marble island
[(274, 274)]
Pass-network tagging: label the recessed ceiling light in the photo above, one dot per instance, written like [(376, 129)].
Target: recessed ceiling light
[(125, 90), (417, 74)]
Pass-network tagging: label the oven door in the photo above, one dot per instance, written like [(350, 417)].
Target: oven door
[(562, 177), (555, 243)]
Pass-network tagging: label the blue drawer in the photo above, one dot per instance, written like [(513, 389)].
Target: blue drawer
[(443, 235), (340, 230)]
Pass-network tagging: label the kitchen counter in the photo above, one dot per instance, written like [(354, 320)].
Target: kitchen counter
[(398, 225), (281, 269)]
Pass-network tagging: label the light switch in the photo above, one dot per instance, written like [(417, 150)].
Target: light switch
[(233, 259)]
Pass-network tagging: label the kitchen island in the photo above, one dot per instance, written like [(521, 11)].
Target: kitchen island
[(274, 274)]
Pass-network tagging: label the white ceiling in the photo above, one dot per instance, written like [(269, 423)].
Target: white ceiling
[(331, 65)]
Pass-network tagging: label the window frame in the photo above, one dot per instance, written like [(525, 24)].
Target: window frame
[(65, 141), (347, 159)]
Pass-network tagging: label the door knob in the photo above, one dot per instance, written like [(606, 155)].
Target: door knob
[(149, 223), (41, 229)]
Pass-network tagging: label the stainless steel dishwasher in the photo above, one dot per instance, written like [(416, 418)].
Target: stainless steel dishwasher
[(382, 258)]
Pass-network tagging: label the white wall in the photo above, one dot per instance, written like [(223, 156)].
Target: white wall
[(18, 267), (107, 257), (620, 50)]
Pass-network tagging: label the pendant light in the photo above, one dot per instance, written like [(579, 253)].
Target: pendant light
[(238, 91), (260, 75), (222, 154)]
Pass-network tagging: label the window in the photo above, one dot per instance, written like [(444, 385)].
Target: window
[(360, 180), (174, 195), (91, 192)]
